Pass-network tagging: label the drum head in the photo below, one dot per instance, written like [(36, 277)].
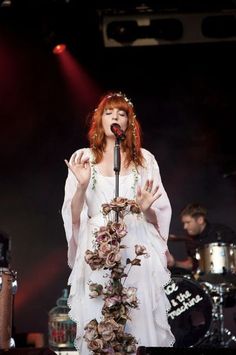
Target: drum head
[(190, 315), (215, 259)]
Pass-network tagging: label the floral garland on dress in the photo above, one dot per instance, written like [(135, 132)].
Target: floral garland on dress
[(108, 336)]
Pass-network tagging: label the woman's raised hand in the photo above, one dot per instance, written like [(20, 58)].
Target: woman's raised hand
[(147, 195), (80, 167)]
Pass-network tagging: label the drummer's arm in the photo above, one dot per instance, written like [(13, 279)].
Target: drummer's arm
[(170, 259), (185, 264)]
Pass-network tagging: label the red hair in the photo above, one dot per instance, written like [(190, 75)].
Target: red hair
[(131, 145)]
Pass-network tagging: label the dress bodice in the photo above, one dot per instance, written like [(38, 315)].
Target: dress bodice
[(102, 189)]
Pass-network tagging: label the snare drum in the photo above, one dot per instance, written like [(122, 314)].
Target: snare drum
[(215, 258), (190, 315)]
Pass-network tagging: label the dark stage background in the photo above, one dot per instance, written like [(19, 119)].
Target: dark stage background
[(185, 100)]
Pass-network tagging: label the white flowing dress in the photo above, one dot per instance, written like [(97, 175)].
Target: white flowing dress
[(149, 322)]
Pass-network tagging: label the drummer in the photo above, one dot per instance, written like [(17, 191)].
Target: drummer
[(199, 232)]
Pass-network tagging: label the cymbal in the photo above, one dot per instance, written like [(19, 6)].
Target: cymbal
[(174, 238)]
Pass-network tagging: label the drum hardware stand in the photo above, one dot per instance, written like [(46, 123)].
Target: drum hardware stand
[(217, 331)]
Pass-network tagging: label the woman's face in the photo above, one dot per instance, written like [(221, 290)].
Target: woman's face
[(113, 115)]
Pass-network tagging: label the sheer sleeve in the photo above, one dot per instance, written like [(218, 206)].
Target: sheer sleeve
[(72, 232), (162, 205)]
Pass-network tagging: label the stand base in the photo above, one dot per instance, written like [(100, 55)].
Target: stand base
[(217, 340)]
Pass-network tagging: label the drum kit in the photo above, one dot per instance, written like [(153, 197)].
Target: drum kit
[(8, 288), (197, 301)]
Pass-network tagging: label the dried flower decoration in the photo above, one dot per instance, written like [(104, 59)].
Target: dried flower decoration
[(108, 336)]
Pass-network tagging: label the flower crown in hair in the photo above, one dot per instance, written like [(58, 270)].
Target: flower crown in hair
[(120, 94)]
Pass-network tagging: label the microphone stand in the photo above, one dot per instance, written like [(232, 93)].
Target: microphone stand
[(117, 172)]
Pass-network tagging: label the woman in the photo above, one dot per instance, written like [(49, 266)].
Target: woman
[(91, 183)]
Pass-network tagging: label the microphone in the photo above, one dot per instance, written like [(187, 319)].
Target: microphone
[(118, 132)]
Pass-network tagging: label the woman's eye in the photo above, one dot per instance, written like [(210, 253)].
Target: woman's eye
[(122, 113)]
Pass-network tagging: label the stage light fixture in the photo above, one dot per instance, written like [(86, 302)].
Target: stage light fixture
[(123, 31), (130, 31), (56, 42), (166, 28), (59, 48), (141, 29)]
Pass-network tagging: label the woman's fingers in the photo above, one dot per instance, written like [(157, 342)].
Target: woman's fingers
[(67, 163), (155, 190), (79, 157), (76, 158), (156, 196), (73, 158), (139, 192), (146, 186), (77, 161), (150, 186), (84, 160)]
